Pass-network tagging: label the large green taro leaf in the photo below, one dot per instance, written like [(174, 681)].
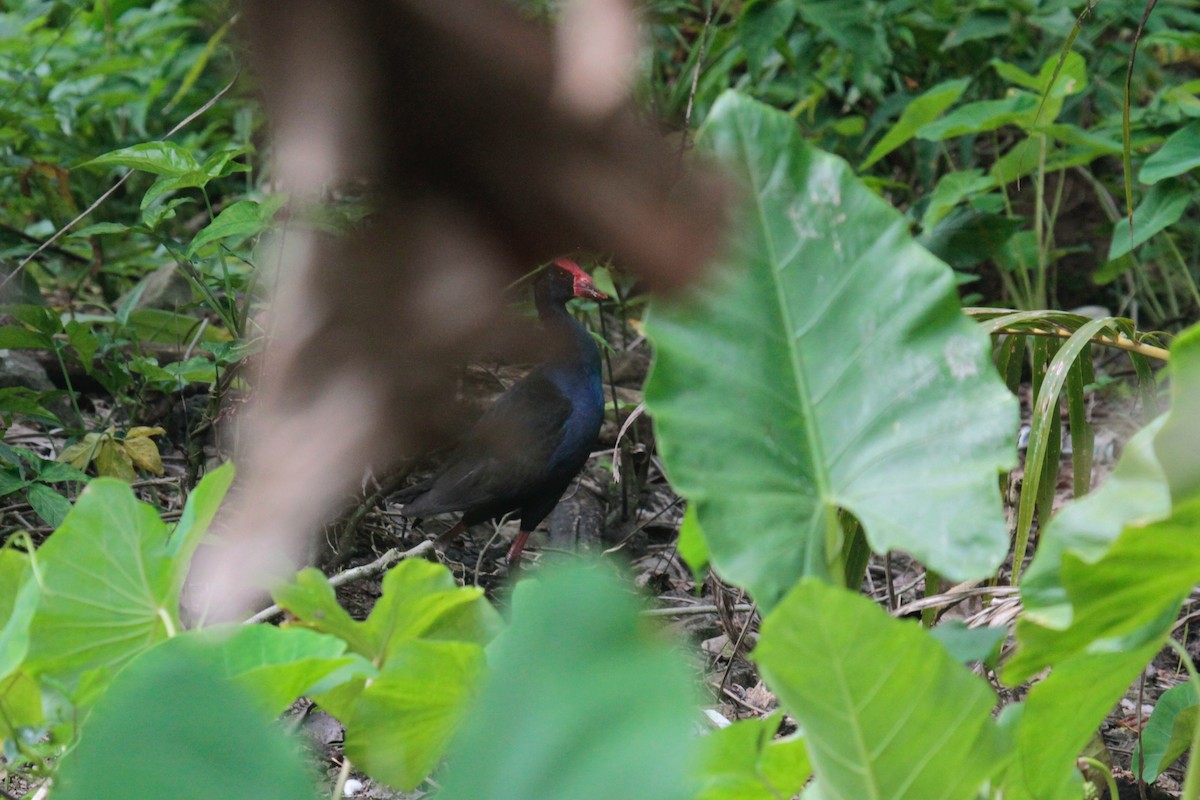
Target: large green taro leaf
[(110, 578), (826, 366), (886, 712), (106, 585)]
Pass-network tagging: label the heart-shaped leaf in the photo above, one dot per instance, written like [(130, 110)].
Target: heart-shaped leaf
[(828, 366), (887, 712), (106, 584)]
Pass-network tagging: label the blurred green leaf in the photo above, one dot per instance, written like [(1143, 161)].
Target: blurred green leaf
[(100, 229), (614, 700), (20, 704), (1017, 108), (311, 599), (691, 545), (1116, 563), (978, 25), (11, 482), (952, 188), (918, 113), (966, 645), (19, 594), (761, 23), (154, 215), (37, 317), (166, 184), (422, 599), (196, 735), (31, 403), (85, 343), (419, 600), (966, 236), (169, 327), (1071, 79), (199, 511), (744, 761), (1062, 713), (14, 337), (274, 665)]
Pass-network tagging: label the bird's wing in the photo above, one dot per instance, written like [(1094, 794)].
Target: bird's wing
[(506, 454)]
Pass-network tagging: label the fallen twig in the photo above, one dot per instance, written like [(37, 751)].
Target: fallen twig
[(687, 611), (376, 567)]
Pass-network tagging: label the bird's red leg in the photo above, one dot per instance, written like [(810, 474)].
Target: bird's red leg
[(452, 534), (518, 546)]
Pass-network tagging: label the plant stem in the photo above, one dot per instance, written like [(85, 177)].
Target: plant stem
[(339, 786), (1039, 225), (933, 587), (67, 379), (1104, 770), (1120, 342)]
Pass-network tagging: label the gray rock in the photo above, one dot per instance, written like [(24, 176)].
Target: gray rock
[(18, 368)]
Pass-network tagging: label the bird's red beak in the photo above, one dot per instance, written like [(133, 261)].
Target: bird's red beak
[(584, 286)]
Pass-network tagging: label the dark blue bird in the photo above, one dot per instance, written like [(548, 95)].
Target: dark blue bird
[(530, 444)]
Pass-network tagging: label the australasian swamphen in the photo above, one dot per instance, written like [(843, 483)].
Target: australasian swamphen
[(530, 444)]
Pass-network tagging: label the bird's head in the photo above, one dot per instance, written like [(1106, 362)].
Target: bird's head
[(565, 271)]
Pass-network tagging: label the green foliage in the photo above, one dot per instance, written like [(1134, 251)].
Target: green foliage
[(614, 709), (102, 590), (174, 710), (422, 657), (744, 762), (973, 98), (1168, 733), (116, 457), (824, 389), (22, 470), (844, 345), (93, 93), (886, 711)]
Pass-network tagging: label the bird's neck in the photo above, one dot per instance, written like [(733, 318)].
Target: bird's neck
[(576, 346)]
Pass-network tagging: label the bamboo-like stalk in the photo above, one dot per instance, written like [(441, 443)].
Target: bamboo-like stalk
[(1120, 341)]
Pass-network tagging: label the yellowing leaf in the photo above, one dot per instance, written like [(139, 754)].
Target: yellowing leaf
[(113, 461), (144, 452), (80, 454), (142, 430)]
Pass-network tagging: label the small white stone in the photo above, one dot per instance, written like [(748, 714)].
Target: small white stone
[(353, 787)]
